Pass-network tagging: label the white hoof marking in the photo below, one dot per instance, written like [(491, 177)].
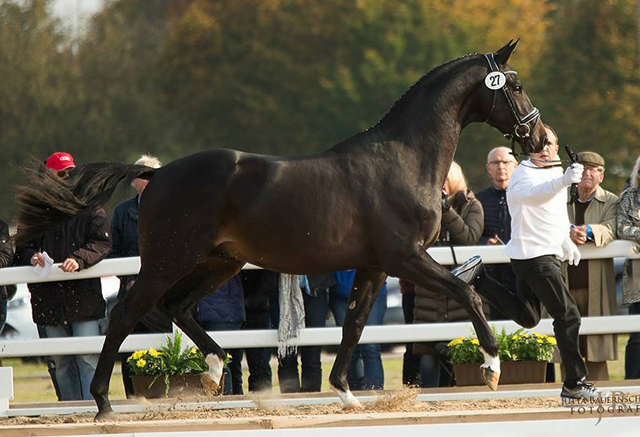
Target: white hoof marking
[(349, 401), (491, 362), (215, 367)]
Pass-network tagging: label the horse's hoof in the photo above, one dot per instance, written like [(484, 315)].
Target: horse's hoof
[(349, 401), (104, 416), (490, 377), (210, 386)]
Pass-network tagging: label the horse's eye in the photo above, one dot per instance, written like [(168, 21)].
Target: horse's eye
[(518, 88)]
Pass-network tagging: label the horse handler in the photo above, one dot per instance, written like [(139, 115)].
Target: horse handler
[(537, 200)]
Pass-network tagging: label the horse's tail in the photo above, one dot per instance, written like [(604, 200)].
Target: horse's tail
[(47, 201)]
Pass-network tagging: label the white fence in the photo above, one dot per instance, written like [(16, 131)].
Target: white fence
[(315, 336)]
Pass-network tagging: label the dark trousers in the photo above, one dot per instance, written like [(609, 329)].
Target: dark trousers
[(410, 362), (233, 370), (316, 306), (632, 352), (503, 274), (540, 283), (258, 359), (260, 287)]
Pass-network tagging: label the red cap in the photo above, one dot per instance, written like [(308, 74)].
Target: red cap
[(59, 161)]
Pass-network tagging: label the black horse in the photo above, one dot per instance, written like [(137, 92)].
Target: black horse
[(372, 202)]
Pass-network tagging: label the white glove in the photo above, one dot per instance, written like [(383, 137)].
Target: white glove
[(573, 174), (570, 252)]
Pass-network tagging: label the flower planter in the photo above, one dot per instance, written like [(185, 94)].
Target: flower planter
[(188, 384), (512, 372)]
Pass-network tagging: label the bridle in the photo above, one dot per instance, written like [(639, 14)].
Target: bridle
[(524, 125)]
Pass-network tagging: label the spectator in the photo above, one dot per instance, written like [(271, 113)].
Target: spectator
[(497, 220), (223, 310), (6, 259), (592, 283), (124, 235), (540, 240), (628, 221), (461, 224), (69, 308), (260, 293), (316, 304), (410, 362)]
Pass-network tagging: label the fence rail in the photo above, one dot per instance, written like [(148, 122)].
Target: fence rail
[(313, 336), (131, 266)]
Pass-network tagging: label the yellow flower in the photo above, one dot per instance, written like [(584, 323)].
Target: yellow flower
[(194, 350), (153, 352), (138, 354), (514, 337), (474, 341), (539, 340), (456, 341), (552, 340), (141, 363)]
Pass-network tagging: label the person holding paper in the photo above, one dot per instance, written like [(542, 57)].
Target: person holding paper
[(69, 308)]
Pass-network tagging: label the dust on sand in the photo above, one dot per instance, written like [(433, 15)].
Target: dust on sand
[(403, 400)]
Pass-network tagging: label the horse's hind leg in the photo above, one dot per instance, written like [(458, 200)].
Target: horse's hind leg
[(366, 286), (180, 302), (423, 271), (145, 293)]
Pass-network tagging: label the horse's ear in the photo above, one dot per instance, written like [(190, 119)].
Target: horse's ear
[(502, 55)]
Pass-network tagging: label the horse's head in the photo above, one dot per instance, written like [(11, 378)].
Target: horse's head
[(510, 109)]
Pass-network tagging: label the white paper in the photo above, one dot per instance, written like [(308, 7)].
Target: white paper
[(48, 263)]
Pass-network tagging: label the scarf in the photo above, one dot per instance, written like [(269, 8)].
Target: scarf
[(291, 314)]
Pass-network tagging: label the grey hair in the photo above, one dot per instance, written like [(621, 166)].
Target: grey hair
[(634, 174), (496, 149), (149, 161)]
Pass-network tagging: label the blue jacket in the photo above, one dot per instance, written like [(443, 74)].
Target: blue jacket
[(225, 305), (344, 282), (124, 236)]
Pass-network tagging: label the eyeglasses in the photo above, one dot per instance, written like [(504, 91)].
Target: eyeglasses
[(64, 174), (592, 169), (497, 162)]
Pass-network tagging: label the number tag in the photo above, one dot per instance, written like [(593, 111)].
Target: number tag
[(495, 80)]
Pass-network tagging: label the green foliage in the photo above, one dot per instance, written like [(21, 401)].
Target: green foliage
[(465, 350), (516, 346), (170, 360), (532, 347), (293, 77)]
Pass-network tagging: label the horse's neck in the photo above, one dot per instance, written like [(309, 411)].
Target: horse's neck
[(430, 125)]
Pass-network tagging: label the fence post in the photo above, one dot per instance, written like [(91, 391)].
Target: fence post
[(6, 389)]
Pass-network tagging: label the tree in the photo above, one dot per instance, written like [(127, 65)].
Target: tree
[(35, 91), (591, 81)]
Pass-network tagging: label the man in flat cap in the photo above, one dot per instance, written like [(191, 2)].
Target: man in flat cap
[(592, 283)]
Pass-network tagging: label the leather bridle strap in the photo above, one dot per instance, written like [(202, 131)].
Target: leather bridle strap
[(533, 115)]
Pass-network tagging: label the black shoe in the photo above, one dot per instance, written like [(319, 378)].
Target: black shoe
[(471, 271), (582, 390)]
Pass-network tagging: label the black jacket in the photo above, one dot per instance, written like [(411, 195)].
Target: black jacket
[(497, 220), (86, 239), (6, 258)]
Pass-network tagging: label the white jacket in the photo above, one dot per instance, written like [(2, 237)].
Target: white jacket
[(537, 200)]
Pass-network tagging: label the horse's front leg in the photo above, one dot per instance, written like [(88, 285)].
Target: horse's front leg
[(366, 286), (423, 271)]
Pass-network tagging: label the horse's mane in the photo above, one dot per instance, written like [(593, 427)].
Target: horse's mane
[(392, 114)]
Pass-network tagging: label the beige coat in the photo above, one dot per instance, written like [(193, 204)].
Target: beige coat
[(601, 216)]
